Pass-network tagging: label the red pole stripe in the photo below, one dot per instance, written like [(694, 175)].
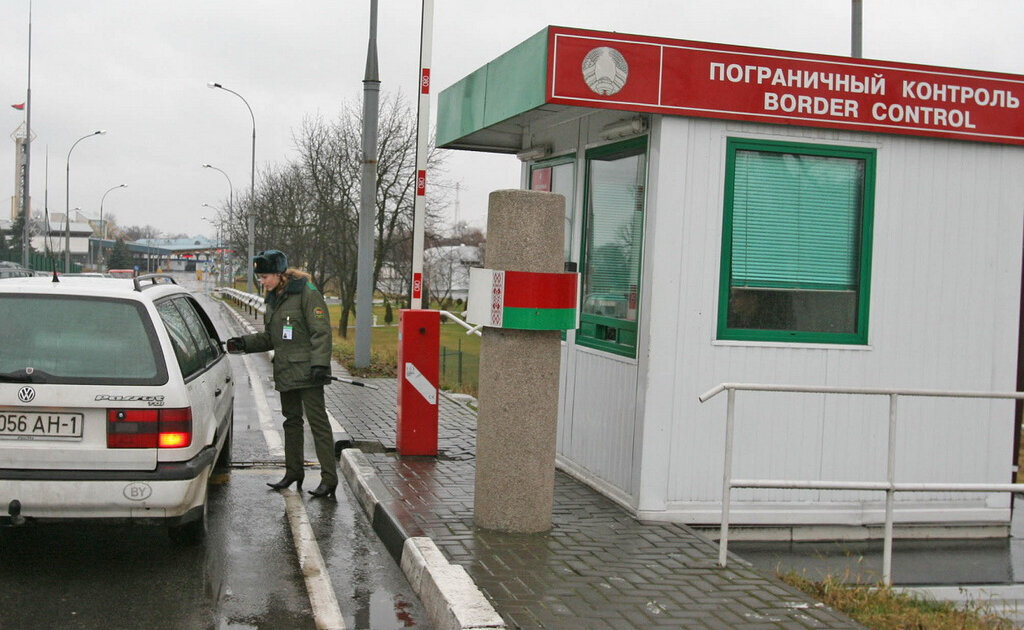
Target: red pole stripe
[(540, 290)]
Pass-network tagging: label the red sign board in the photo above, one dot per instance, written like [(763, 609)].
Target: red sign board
[(683, 78), (540, 179), (417, 286), (421, 182)]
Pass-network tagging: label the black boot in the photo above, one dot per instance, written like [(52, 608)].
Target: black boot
[(324, 490), (287, 481)]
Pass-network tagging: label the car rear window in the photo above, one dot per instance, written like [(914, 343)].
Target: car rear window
[(72, 339)]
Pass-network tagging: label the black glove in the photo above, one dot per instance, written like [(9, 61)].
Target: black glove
[(320, 374), (236, 345)]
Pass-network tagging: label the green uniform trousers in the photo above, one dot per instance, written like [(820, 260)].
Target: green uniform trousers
[(310, 400)]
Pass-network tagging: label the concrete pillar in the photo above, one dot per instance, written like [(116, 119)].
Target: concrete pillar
[(518, 391)]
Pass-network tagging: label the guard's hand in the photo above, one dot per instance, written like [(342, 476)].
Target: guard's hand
[(236, 345), (320, 374)]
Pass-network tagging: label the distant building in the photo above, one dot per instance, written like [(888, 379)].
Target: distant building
[(446, 269)]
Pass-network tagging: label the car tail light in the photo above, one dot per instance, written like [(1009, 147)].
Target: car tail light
[(149, 428)]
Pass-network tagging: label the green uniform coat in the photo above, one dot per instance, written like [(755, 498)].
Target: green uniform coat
[(298, 311)]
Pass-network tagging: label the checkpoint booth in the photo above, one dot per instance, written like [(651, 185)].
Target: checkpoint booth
[(742, 215)]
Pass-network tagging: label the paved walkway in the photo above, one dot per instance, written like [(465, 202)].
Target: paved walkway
[(597, 568)]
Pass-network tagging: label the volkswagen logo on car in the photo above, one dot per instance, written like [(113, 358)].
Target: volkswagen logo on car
[(26, 394)]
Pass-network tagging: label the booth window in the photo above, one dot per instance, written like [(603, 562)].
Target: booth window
[(796, 250), (558, 175), (613, 226)]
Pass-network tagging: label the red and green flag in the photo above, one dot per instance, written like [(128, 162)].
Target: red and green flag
[(523, 300)]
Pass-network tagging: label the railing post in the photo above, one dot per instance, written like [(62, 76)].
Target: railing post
[(890, 493), (723, 538)]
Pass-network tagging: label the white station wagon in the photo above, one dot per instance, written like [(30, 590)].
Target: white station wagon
[(115, 402)]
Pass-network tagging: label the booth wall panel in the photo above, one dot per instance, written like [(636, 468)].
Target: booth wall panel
[(600, 435), (944, 306)]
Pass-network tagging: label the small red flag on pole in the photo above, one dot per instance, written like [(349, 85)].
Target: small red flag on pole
[(19, 106)]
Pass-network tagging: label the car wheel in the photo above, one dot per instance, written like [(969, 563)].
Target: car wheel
[(223, 463), (190, 533)]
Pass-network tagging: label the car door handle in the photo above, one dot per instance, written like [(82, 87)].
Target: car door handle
[(218, 392)]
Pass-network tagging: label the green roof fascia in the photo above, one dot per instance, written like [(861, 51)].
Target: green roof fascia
[(510, 85)]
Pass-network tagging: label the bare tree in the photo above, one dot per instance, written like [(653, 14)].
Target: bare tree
[(309, 208)]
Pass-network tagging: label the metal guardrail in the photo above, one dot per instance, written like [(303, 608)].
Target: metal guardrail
[(252, 303), (890, 486)]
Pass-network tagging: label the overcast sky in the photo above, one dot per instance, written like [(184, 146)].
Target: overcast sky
[(139, 69)]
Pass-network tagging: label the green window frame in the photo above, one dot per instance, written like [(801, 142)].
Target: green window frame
[(796, 242), (611, 257)]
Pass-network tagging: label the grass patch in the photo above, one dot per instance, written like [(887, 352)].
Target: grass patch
[(881, 608), (459, 354)]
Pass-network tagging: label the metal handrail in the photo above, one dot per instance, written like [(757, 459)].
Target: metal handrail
[(890, 486), (470, 328)]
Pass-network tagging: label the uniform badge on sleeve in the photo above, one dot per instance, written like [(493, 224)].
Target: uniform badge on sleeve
[(319, 312)]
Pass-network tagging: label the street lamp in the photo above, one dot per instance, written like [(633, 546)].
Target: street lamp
[(103, 226), (231, 215), (67, 200), (218, 235), (251, 222), (231, 189)]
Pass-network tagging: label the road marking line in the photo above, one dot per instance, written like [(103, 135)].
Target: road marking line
[(326, 611), (270, 434)]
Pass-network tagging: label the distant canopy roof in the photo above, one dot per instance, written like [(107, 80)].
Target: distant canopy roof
[(558, 71)]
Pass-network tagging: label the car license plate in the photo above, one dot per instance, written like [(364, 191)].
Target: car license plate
[(40, 424)]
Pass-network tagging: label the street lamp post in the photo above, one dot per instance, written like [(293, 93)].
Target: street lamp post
[(67, 200), (231, 213), (103, 226), (218, 226), (251, 219)]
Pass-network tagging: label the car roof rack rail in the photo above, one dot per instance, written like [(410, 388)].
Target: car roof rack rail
[(154, 279)]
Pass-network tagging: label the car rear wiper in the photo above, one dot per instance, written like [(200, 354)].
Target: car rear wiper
[(17, 376), (26, 375)]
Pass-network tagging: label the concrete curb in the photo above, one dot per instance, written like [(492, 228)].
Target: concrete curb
[(448, 593)]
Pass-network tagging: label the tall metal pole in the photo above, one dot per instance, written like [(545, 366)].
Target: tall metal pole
[(103, 224), (67, 201), (231, 216), (856, 29), (422, 140), (25, 187), (251, 223), (367, 214)]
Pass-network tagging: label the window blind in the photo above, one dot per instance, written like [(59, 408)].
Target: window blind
[(796, 220)]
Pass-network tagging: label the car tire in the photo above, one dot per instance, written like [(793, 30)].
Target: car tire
[(190, 533), (223, 463)]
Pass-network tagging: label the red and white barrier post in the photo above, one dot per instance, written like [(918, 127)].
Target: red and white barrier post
[(419, 343)]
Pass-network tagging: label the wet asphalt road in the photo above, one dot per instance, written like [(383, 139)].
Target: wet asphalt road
[(245, 575)]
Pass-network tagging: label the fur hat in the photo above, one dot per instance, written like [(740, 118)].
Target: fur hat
[(270, 261)]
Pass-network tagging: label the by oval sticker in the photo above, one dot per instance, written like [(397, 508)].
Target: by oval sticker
[(138, 491)]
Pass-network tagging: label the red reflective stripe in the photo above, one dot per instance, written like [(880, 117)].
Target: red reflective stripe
[(540, 290)]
